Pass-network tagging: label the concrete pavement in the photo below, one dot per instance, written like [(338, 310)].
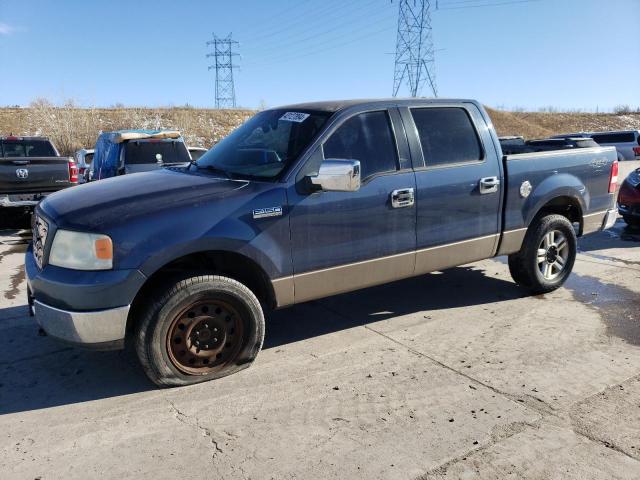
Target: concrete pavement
[(457, 374)]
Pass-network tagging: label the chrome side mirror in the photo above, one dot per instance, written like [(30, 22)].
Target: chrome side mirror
[(338, 176)]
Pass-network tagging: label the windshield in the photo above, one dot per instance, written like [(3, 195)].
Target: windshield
[(266, 144), (141, 152)]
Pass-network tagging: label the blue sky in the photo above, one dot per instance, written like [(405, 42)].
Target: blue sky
[(570, 54)]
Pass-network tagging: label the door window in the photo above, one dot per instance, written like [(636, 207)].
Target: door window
[(366, 137), (447, 136)]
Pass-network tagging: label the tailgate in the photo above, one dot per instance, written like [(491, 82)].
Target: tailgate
[(33, 174)]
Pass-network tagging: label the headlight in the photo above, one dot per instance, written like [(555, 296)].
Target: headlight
[(81, 251)]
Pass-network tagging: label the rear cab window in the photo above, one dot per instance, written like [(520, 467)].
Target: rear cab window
[(368, 138), (447, 136), (624, 137), (146, 151), (27, 148)]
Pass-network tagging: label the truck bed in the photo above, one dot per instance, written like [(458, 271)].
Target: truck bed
[(581, 176)]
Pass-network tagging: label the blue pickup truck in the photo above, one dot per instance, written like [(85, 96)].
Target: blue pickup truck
[(299, 203)]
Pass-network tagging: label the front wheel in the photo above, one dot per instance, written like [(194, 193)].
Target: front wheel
[(547, 255), (199, 329)]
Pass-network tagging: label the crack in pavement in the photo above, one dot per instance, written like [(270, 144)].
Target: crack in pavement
[(193, 421), (507, 431), (582, 430), (541, 407)]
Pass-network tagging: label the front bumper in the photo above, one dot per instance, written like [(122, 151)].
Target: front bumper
[(6, 201), (89, 308), (629, 210), (102, 330)]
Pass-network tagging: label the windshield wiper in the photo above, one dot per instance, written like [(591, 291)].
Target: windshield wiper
[(213, 169)]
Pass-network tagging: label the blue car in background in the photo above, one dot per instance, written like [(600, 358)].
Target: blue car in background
[(132, 151)]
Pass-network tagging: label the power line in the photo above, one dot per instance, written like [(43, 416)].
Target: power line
[(223, 55), (303, 44), (325, 49), (415, 57), (309, 33), (494, 4)]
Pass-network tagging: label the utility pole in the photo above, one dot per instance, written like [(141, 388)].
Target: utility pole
[(223, 55), (415, 60)]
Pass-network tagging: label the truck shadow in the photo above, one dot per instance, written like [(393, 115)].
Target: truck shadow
[(37, 372), (453, 288)]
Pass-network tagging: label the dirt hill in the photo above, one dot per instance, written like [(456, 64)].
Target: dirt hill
[(72, 128)]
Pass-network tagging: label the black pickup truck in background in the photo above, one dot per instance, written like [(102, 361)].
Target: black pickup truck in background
[(30, 169)]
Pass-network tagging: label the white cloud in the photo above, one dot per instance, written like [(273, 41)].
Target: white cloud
[(6, 29)]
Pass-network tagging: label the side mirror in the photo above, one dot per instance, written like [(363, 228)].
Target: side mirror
[(338, 176)]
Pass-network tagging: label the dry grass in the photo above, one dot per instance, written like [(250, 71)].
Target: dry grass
[(543, 124), (71, 128)]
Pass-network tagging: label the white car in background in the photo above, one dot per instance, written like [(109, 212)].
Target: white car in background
[(83, 158)]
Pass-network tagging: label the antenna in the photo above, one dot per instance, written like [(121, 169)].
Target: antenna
[(223, 64), (415, 53)]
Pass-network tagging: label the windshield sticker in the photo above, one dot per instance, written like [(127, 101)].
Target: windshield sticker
[(297, 117)]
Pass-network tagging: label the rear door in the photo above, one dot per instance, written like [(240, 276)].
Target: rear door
[(459, 192), (31, 166), (342, 241)]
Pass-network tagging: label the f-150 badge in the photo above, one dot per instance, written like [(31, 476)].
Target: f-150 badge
[(267, 212)]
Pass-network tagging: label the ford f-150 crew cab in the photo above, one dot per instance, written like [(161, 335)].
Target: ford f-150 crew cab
[(302, 202), (30, 169)]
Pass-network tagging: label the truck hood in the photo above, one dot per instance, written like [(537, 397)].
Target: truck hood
[(97, 205)]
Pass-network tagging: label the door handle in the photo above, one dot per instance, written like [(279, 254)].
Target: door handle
[(403, 197), (489, 185)]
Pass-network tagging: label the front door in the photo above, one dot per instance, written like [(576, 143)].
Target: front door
[(343, 241)]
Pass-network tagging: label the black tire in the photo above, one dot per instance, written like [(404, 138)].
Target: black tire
[(631, 221), (176, 307), (525, 269)]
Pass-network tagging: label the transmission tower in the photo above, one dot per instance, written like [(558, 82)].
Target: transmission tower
[(223, 56), (415, 61)]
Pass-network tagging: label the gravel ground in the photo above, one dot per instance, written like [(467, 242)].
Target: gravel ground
[(457, 374)]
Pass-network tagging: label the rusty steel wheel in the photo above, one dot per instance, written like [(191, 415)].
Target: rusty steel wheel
[(204, 337)]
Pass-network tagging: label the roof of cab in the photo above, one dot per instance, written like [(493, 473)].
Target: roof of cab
[(337, 105)]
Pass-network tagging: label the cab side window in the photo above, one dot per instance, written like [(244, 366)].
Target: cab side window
[(447, 136), (366, 137)]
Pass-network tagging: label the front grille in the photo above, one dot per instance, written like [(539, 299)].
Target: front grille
[(40, 232)]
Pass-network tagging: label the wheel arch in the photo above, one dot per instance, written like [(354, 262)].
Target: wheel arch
[(568, 206), (220, 262)]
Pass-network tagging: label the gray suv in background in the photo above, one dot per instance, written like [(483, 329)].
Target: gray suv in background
[(627, 142)]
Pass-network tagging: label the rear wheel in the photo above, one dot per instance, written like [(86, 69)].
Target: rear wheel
[(547, 255), (199, 329)]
